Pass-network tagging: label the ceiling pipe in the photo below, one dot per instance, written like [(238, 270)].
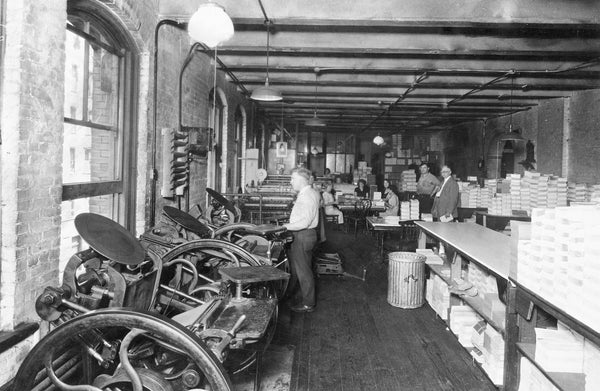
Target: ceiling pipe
[(413, 86)]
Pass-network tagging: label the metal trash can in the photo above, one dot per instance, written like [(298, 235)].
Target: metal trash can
[(406, 279)]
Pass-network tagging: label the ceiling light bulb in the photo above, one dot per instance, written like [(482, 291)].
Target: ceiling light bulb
[(378, 140), (210, 25)]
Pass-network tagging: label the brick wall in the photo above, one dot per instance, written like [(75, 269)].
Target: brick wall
[(545, 126), (584, 139), (32, 139), (549, 140)]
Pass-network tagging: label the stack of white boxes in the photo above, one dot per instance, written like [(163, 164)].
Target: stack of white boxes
[(577, 192), (558, 350), (532, 379), (515, 190), (414, 209), (438, 296), (462, 320), (408, 181), (561, 262), (493, 355), (594, 193), (487, 289), (404, 210)]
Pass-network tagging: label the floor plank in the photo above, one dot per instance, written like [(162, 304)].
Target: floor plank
[(355, 340)]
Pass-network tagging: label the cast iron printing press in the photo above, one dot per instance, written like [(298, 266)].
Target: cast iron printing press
[(179, 312)]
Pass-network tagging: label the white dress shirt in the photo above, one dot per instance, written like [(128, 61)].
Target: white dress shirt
[(441, 187), (305, 213)]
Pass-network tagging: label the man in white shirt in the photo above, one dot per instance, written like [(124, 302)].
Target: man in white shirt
[(303, 223)]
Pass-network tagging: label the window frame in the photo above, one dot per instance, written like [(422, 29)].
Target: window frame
[(124, 46)]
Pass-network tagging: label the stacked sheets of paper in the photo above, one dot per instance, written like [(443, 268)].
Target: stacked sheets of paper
[(462, 320), (408, 180), (439, 296), (404, 210), (414, 210), (558, 351), (532, 379), (431, 257)]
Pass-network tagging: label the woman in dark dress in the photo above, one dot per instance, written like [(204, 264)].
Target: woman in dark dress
[(362, 191)]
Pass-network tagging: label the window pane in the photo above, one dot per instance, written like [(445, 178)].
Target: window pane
[(70, 241), (89, 155), (103, 86), (74, 76), (330, 162)]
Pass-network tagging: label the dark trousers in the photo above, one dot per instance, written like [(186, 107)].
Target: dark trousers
[(301, 252), (425, 203)]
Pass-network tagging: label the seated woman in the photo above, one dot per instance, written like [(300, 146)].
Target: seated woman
[(328, 203), (392, 203), (361, 191)]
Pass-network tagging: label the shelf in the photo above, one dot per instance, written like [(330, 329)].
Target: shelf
[(476, 303), (565, 381), (575, 324)]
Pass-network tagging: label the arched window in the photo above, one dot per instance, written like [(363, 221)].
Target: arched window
[(99, 119)]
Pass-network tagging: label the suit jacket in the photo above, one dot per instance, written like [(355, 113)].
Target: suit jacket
[(447, 202)]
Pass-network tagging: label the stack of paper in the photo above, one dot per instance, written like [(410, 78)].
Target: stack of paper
[(405, 210), (431, 257), (562, 190), (577, 192), (493, 352), (462, 320), (439, 296), (414, 209), (532, 379), (594, 193), (558, 351), (408, 180), (591, 363), (515, 190)]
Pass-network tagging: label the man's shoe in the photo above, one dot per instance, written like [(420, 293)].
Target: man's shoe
[(303, 308)]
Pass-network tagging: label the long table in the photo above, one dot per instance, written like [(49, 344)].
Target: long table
[(380, 226), (487, 248)]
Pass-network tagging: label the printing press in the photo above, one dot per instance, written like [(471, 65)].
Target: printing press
[(180, 316)]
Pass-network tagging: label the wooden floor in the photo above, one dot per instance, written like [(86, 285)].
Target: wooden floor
[(355, 340)]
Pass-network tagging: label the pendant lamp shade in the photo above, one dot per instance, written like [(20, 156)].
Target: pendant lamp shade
[(315, 121), (210, 25), (378, 140), (510, 136), (266, 93)]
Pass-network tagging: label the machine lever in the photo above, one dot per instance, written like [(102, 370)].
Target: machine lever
[(237, 325)]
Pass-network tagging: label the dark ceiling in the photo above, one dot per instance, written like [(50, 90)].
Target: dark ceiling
[(392, 66)]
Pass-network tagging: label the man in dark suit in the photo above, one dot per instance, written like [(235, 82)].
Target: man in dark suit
[(445, 203)]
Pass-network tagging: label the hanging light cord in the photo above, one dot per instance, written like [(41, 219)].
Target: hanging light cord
[(268, 23), (512, 84), (316, 85), (214, 106)]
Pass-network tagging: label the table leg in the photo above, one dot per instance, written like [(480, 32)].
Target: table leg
[(422, 239)]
